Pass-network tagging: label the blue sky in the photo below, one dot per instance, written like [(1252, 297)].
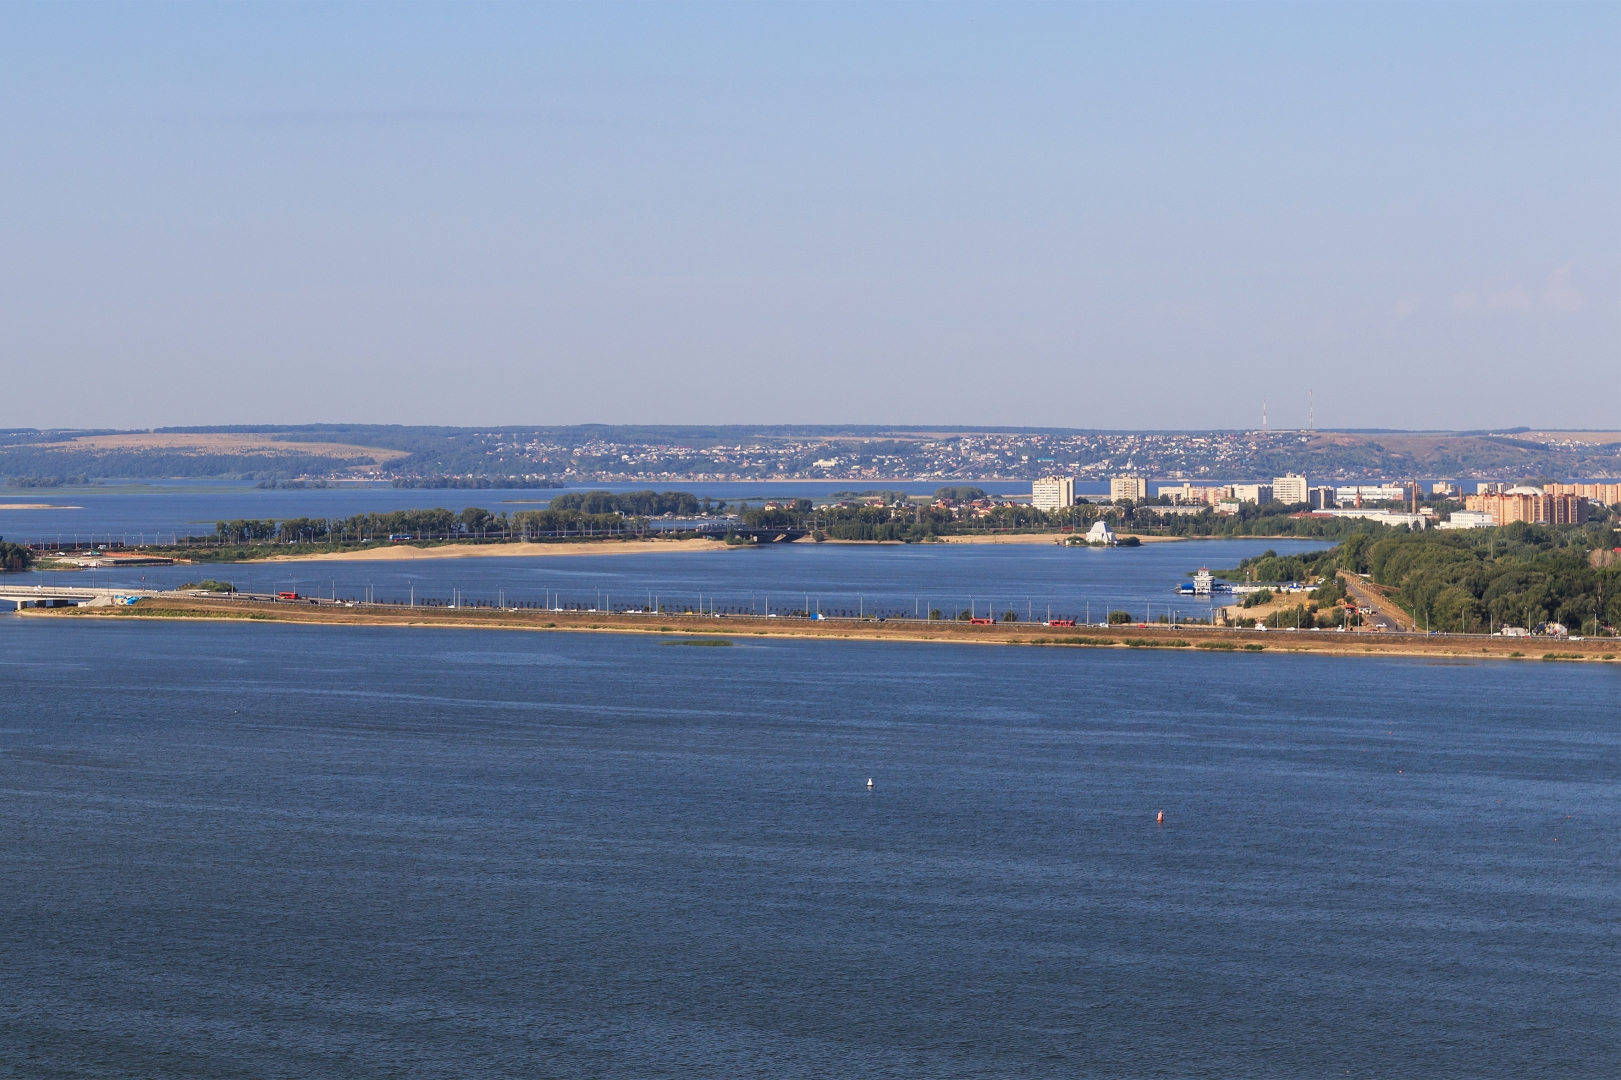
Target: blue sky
[(1145, 215)]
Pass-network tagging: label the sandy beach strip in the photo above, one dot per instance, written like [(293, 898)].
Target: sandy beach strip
[(1048, 538), (408, 553)]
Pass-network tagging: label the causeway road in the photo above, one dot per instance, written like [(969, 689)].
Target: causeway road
[(1384, 614)]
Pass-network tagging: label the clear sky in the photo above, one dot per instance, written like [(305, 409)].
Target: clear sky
[(1143, 215)]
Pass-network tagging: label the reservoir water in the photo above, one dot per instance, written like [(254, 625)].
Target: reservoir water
[(145, 512), (282, 851), (909, 580)]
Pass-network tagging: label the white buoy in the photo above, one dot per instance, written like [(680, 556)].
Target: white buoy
[(869, 783)]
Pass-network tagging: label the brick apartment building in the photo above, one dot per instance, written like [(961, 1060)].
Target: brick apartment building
[(1608, 494), (1529, 504)]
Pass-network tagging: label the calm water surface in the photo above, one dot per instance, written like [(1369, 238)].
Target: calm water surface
[(192, 507), (912, 579), (277, 851)]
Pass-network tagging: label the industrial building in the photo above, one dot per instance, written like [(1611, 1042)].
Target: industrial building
[(1384, 517), (1362, 494), (1468, 519)]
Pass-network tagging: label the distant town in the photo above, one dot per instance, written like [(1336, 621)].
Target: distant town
[(1414, 505), (597, 454)]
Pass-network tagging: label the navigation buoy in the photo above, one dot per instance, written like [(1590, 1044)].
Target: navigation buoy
[(869, 783), (1161, 819)]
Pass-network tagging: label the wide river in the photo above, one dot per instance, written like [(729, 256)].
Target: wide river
[(1030, 580), (261, 850), (154, 512)]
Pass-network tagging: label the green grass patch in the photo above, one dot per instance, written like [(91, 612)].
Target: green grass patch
[(1224, 646), (1157, 643), (1562, 656), (180, 613), (708, 642), (1254, 648)]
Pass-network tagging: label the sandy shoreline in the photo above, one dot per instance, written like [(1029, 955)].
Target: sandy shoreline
[(1052, 538), (407, 553)]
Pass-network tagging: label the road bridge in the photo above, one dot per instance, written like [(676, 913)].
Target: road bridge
[(67, 596)]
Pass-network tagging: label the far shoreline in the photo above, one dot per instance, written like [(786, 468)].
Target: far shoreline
[(409, 552), (528, 549)]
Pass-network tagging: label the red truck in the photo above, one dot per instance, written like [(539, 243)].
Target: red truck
[(287, 596)]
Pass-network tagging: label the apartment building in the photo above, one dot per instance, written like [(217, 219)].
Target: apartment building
[(1134, 488), (1253, 493), (1290, 489), (1053, 493), (1529, 504), (1188, 493), (1608, 494)]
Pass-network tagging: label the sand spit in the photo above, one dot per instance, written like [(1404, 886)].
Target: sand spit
[(742, 629), (406, 552), (1051, 538)]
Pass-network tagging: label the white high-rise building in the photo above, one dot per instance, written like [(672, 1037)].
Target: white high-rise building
[(1053, 493), (1134, 488), (1290, 489)]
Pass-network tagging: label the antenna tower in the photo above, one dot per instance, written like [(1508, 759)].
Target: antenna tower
[(1311, 412), (1263, 416)]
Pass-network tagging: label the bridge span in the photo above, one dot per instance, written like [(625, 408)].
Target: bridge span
[(50, 596)]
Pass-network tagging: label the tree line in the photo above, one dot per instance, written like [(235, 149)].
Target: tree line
[(646, 504), (14, 557), (1469, 580), (1466, 580)]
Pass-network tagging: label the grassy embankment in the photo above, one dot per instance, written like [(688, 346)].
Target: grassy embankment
[(742, 629)]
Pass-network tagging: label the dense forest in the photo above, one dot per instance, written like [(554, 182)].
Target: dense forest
[(1472, 580), (1518, 575)]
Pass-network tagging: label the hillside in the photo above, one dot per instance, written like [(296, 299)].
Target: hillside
[(601, 453)]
